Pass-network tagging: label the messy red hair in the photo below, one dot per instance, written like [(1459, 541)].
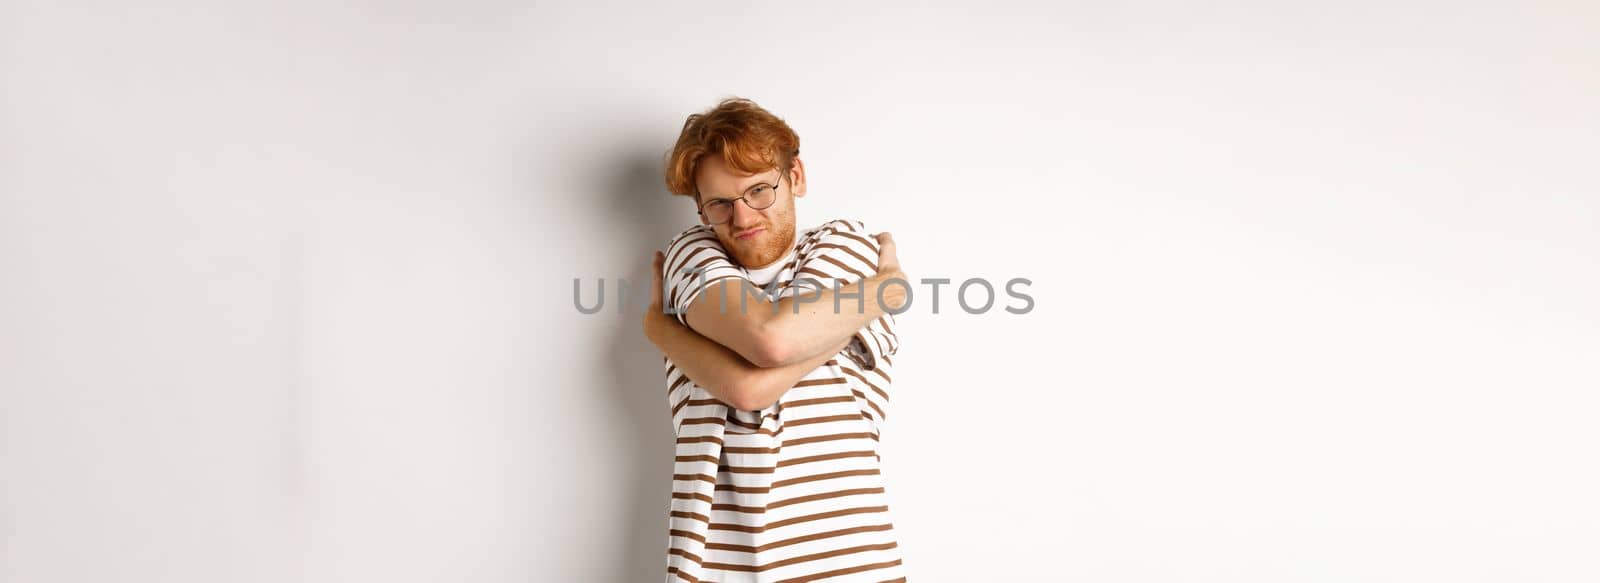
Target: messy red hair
[(748, 138)]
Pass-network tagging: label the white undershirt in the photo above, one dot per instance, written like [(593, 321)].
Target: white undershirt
[(761, 276)]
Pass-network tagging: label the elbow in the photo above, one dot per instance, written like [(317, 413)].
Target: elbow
[(752, 392), (749, 401), (749, 397), (770, 349)]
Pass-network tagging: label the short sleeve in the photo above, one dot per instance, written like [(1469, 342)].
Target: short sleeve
[(845, 251), (694, 261), (879, 343)]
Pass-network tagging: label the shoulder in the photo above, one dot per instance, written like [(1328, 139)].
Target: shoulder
[(690, 235), (699, 238), (842, 231), (695, 259), (840, 248), (695, 248), (844, 225)]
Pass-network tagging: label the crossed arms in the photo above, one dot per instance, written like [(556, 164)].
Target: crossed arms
[(747, 358)]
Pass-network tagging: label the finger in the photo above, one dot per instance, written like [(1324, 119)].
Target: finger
[(887, 254)]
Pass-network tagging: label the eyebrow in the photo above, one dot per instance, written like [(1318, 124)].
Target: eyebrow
[(744, 190)]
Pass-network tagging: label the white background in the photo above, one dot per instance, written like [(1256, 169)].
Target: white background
[(286, 288)]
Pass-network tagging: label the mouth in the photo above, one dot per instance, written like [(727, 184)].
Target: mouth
[(750, 233)]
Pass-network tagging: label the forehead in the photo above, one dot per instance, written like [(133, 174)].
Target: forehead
[(716, 180)]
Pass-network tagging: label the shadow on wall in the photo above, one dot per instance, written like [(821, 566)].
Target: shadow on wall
[(638, 213)]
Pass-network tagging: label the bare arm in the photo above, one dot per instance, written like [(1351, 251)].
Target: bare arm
[(795, 329), (721, 371)]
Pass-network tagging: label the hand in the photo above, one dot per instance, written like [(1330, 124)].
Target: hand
[(655, 315), (888, 259), (655, 276), (893, 297)]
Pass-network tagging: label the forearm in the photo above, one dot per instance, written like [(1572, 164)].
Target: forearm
[(791, 330), (724, 373), (809, 324)]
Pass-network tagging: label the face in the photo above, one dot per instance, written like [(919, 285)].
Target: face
[(754, 238)]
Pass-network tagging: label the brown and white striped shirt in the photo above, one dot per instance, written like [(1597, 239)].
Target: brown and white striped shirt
[(791, 492)]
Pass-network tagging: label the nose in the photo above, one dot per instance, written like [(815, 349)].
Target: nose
[(744, 216)]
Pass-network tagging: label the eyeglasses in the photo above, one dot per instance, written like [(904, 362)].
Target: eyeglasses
[(759, 196)]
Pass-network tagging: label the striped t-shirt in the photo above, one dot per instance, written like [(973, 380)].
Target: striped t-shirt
[(791, 492)]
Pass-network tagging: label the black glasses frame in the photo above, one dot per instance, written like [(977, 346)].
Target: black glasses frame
[(731, 201)]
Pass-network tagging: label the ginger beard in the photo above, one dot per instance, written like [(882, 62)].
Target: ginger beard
[(767, 246)]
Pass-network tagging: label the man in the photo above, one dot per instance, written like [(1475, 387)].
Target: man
[(776, 389)]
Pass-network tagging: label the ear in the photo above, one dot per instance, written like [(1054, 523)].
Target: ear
[(798, 176)]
